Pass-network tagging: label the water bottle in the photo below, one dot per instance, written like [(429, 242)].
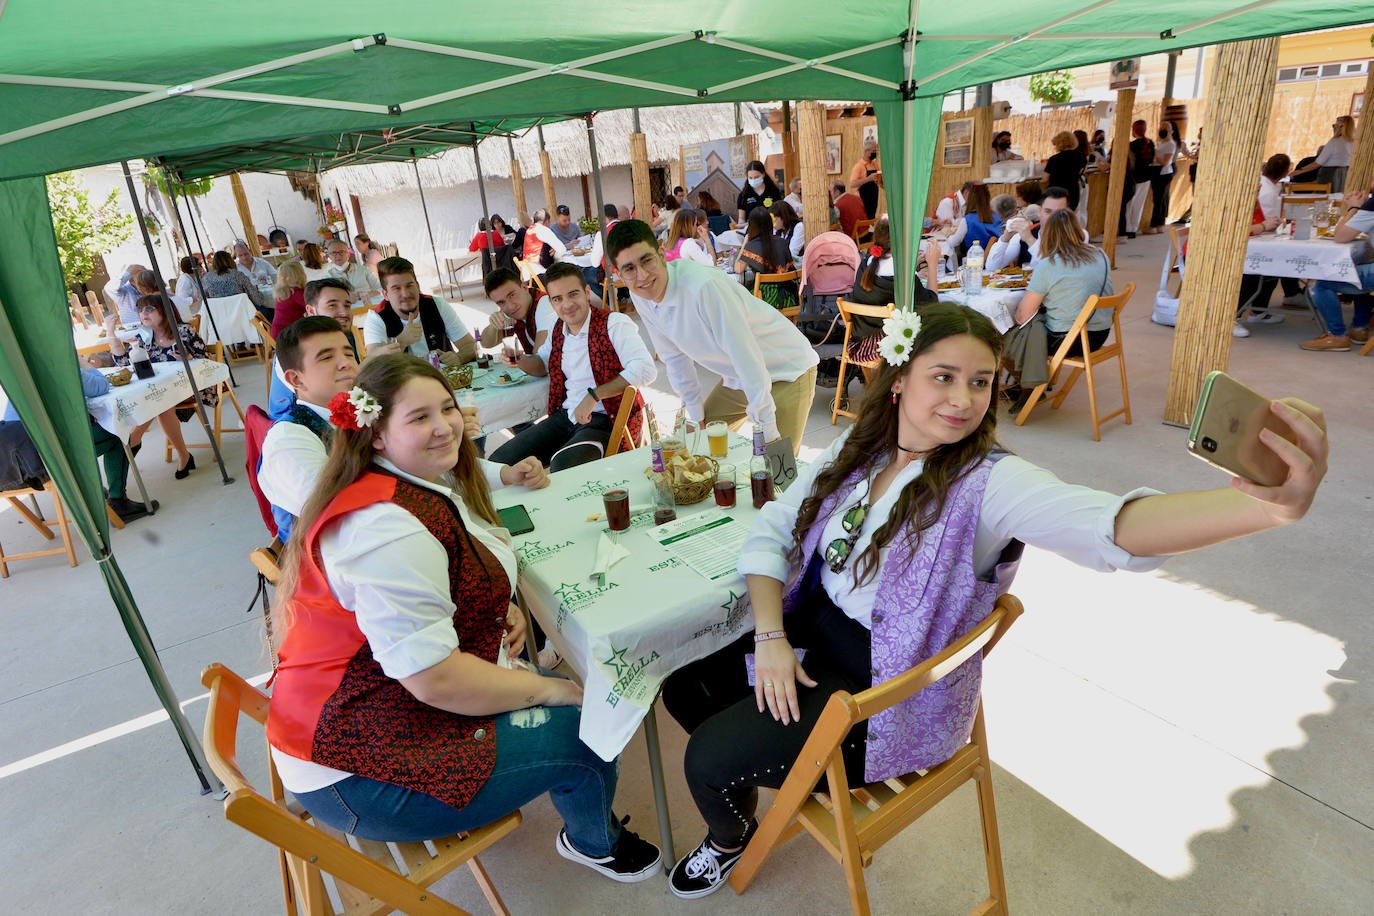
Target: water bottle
[(973, 270)]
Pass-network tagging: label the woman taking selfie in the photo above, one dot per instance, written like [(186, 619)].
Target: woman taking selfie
[(396, 714), (895, 542)]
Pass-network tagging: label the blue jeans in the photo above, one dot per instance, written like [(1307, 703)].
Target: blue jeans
[(537, 751), (1324, 294)]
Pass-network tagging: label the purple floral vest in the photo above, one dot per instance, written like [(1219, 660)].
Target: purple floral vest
[(928, 597)]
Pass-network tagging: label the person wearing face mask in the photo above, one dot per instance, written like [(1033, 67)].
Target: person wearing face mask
[(359, 279), (759, 191), (867, 177), (1001, 147), (1166, 150)]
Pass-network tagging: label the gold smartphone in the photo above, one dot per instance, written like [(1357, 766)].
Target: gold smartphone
[(1226, 431)]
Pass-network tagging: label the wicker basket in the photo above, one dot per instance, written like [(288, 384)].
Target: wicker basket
[(122, 377), (687, 494), (457, 376)]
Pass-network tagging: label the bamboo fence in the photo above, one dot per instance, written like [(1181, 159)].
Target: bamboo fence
[(811, 128), (639, 171), (546, 172), (1361, 174), (1243, 88), (1121, 132)]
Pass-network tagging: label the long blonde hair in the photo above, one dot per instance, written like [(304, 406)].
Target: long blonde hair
[(351, 454), (683, 227), (1062, 236), (290, 277), (1347, 124)]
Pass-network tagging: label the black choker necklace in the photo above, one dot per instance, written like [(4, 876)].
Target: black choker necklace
[(914, 453)]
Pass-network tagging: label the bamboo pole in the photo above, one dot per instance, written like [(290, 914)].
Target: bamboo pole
[(811, 152), (639, 170), (1242, 87), (1361, 173), (546, 173), (250, 234), (517, 181), (1121, 161), (982, 142)]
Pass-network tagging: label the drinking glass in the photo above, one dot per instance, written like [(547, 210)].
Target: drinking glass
[(725, 486), (717, 438), (617, 506)]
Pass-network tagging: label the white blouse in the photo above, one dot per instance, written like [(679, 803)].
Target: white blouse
[(691, 250), (1021, 501), (384, 566), (1336, 153)]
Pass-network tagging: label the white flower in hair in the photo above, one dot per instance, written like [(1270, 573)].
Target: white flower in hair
[(364, 405), (899, 336)]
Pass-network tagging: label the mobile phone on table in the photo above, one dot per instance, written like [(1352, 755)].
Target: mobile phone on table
[(1226, 431), (516, 520)]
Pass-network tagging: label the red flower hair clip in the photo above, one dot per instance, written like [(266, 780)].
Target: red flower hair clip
[(876, 251), (353, 409)]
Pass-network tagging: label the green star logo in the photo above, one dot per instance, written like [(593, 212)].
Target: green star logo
[(617, 660), (730, 602)]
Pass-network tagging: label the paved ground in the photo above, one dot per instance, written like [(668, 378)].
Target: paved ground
[(1193, 740)]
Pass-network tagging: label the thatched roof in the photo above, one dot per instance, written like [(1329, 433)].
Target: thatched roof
[(665, 129)]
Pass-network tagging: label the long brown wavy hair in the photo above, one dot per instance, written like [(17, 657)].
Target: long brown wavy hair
[(351, 454), (874, 438)]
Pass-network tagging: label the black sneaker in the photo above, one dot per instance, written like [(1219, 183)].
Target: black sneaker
[(704, 869), (127, 509), (633, 859)]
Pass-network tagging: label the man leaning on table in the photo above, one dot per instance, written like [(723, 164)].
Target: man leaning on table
[(591, 355), (318, 363), (359, 279), (255, 269), (418, 323), (1358, 220), (697, 315)]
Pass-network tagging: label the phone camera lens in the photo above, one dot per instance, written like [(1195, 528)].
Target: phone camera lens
[(1209, 444)]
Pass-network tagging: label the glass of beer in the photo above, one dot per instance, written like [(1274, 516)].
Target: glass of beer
[(725, 486), (617, 505), (717, 437)]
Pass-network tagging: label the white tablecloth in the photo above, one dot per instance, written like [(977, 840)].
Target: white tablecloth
[(232, 319), (1309, 259), (142, 400), (499, 407), (653, 615), (999, 305), (733, 238)]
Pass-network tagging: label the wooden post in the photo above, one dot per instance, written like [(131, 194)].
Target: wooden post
[(982, 143), (1237, 118), (789, 143), (517, 181), (639, 171), (1361, 173), (1121, 161), (811, 151), (546, 173), (250, 234)]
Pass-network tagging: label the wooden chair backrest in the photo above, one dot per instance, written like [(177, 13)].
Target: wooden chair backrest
[(1309, 187), (785, 276), (97, 312), (849, 309), (265, 330), (77, 309), (620, 436), (861, 226), (1292, 205), (194, 323), (1080, 322), (92, 349), (528, 274)]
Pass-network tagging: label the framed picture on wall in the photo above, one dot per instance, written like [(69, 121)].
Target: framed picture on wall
[(832, 154), (1356, 104), (871, 133), (958, 155), (959, 132)]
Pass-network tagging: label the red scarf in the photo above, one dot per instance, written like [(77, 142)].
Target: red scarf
[(605, 366)]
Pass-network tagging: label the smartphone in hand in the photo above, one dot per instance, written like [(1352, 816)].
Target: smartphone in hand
[(1226, 431)]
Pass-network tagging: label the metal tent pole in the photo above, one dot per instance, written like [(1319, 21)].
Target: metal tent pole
[(199, 285), (439, 274), (169, 313), (481, 185), (600, 204)]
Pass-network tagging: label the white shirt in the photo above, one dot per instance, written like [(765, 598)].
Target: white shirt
[(795, 201), (1336, 153), (707, 318), (384, 566), (317, 273), (1166, 148), (358, 277), (1003, 254), (637, 365), (1021, 501), (1270, 197), (691, 250), (545, 235), (797, 241), (950, 209), (187, 295), (374, 329), (293, 457), (261, 273)]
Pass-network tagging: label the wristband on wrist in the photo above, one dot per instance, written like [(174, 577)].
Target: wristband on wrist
[(592, 392), (771, 634)]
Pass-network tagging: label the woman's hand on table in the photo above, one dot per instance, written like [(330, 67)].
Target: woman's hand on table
[(529, 473), (1306, 460), (776, 675), (561, 692)]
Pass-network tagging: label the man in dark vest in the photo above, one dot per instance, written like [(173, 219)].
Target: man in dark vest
[(590, 356), (420, 324), (521, 312)]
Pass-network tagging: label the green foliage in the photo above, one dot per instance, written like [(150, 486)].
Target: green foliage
[(82, 229), (589, 225), (195, 188), (1053, 87)]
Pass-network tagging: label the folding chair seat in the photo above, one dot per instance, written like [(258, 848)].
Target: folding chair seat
[(43, 526), (847, 312)]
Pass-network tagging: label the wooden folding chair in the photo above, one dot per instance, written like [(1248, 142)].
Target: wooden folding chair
[(44, 527), (77, 310), (1178, 237), (194, 323), (861, 228), (792, 311), (269, 343), (1083, 365), (610, 294), (355, 316), (1368, 346), (102, 347), (847, 311), (620, 436), (1292, 205), (216, 351), (851, 832), (1309, 187), (97, 313), (528, 274), (365, 872)]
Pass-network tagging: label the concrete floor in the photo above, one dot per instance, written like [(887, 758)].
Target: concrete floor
[(1193, 740)]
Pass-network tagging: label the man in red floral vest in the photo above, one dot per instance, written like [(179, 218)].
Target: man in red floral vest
[(590, 356)]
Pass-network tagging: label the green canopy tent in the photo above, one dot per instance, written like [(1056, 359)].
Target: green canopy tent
[(87, 83)]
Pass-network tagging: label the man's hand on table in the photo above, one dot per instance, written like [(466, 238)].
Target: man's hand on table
[(451, 358), (528, 473)]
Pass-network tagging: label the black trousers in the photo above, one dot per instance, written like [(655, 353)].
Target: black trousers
[(1255, 290), (734, 749), (1127, 192), (1159, 213), (1096, 339), (556, 442)]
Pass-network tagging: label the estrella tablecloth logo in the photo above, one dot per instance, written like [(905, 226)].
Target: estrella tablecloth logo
[(573, 596), (534, 552), (595, 488), (628, 672), (1301, 263), (735, 607), (670, 563), (1254, 262), (155, 391)]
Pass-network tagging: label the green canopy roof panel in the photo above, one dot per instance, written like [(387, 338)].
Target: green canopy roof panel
[(223, 78)]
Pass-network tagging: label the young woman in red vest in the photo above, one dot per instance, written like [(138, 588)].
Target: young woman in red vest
[(396, 715)]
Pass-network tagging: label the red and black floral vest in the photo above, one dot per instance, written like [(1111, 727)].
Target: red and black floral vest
[(331, 702), (605, 366)]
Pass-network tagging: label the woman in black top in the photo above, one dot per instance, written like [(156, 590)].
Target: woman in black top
[(872, 289), (765, 253), (759, 191), (1063, 169)]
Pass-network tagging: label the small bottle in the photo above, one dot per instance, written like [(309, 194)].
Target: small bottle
[(138, 359), (760, 481), (665, 504)]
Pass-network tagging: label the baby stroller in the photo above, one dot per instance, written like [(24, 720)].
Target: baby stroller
[(829, 266)]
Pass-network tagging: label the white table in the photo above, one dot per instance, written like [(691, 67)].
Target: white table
[(653, 615), (232, 320), (501, 407), (998, 305), (734, 238), (1307, 259)]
